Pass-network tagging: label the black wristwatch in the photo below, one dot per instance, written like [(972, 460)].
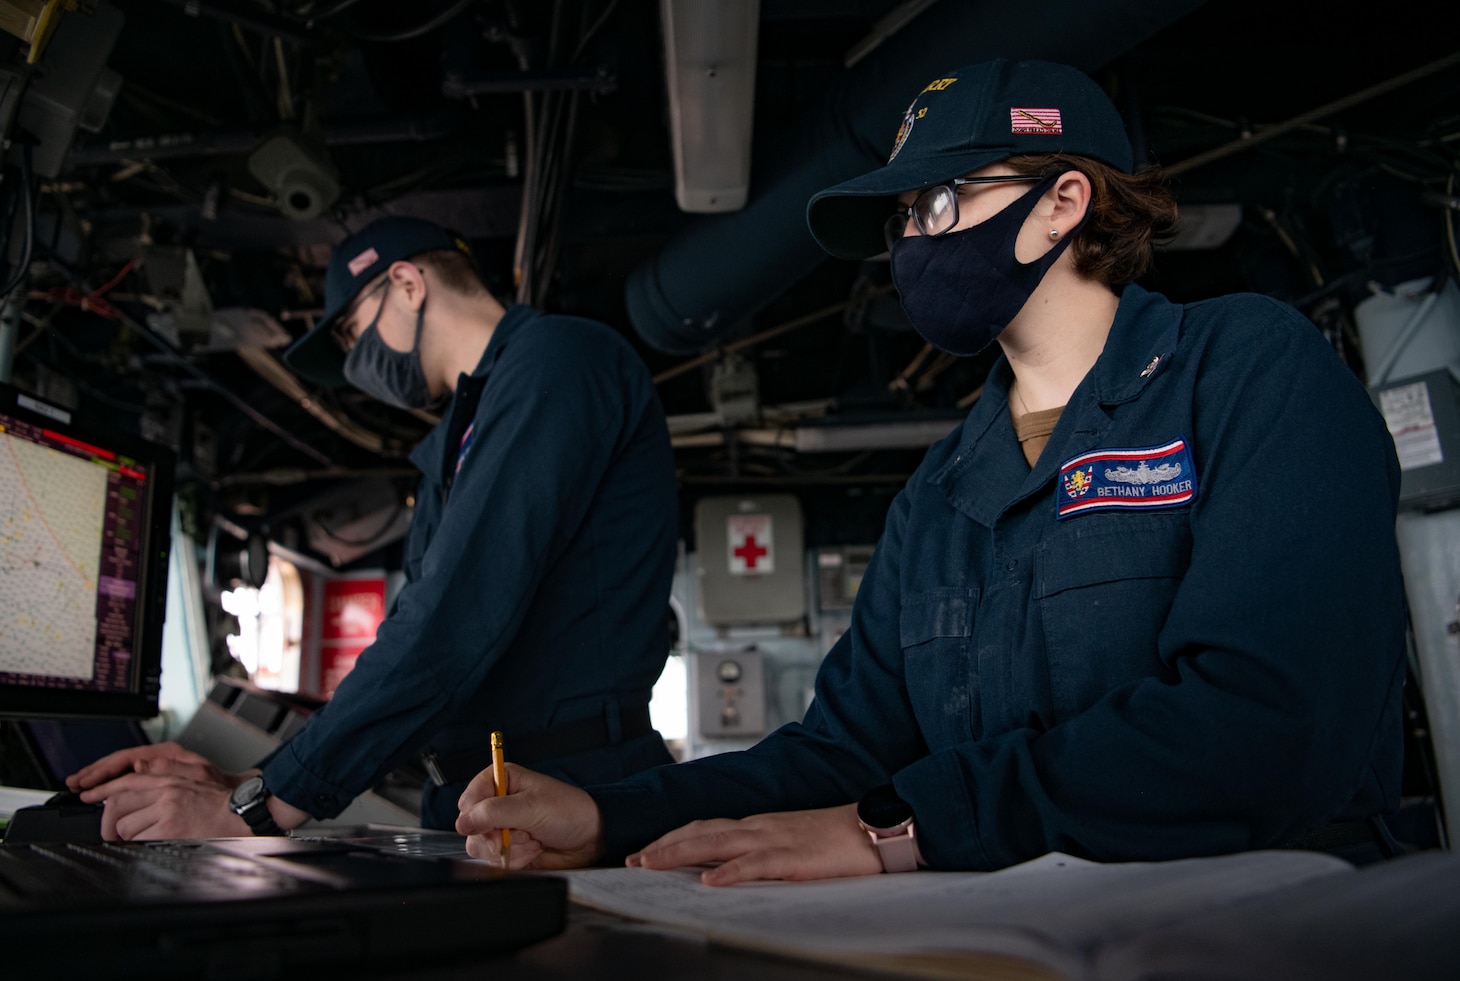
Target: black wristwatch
[(888, 821), (250, 801)]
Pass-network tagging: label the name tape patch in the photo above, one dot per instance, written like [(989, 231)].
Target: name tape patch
[(1143, 477)]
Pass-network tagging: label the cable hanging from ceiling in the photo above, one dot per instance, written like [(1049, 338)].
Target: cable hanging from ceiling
[(548, 129)]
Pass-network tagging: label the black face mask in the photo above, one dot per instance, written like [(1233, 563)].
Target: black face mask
[(960, 290), (394, 377)]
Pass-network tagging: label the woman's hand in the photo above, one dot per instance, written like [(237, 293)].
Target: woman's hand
[(554, 825), (821, 844)]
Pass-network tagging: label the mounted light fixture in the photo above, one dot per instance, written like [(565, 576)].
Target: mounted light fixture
[(709, 63)]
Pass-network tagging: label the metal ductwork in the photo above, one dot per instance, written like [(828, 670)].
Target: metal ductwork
[(723, 269)]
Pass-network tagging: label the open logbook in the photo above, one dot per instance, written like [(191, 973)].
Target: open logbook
[(1259, 914)]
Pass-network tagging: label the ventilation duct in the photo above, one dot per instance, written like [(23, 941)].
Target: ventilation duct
[(723, 269)]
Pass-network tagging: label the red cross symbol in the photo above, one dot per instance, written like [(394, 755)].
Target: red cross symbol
[(750, 551)]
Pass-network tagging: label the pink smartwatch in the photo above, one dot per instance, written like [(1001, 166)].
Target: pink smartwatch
[(888, 820)]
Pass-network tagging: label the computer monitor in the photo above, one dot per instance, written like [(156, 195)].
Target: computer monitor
[(84, 535)]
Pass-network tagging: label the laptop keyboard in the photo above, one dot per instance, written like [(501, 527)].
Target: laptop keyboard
[(222, 908), (165, 870)]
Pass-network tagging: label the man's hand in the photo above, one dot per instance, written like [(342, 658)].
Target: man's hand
[(821, 844), (162, 757), (166, 802), (165, 791), (554, 825)]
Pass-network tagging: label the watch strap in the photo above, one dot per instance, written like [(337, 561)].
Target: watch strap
[(898, 851), (260, 820)]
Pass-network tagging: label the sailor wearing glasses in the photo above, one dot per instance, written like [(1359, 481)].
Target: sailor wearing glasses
[(538, 562), (1107, 616)]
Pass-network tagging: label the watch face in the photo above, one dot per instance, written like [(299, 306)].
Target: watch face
[(247, 792), (882, 808)]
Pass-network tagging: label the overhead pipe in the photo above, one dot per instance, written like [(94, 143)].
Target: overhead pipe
[(1313, 115), (410, 129), (253, 20), (898, 18), (172, 356), (722, 269), (467, 84)]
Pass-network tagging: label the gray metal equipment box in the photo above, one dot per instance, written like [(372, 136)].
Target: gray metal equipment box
[(839, 571), (731, 694), (1423, 415), (748, 560)]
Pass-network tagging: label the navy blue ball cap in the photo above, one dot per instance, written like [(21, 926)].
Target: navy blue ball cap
[(965, 120), (355, 263)]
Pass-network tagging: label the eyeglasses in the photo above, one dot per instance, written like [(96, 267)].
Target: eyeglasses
[(343, 336), (935, 210)]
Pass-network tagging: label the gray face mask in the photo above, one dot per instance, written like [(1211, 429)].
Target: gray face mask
[(393, 377)]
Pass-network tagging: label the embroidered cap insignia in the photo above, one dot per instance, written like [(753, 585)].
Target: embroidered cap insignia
[(908, 118)]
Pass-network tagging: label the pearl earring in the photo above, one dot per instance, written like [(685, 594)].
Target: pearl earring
[(1054, 233)]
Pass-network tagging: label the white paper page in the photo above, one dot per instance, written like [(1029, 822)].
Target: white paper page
[(1396, 919), (13, 799), (1056, 910)]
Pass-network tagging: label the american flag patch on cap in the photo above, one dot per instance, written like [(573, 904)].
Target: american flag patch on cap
[(1046, 121), (363, 261)]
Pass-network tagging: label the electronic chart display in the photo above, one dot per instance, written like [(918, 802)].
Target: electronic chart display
[(83, 550)]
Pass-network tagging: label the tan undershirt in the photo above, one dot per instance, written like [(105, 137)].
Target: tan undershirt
[(1033, 429)]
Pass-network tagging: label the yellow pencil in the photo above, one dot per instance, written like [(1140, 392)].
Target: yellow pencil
[(499, 769)]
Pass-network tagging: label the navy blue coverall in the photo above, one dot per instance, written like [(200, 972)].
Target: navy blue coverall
[(1180, 633), (538, 568)]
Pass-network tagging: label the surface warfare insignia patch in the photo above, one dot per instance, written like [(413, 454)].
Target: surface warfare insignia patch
[(1145, 477)]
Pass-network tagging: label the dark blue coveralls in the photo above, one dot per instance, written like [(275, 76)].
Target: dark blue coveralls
[(1169, 671), (538, 570)]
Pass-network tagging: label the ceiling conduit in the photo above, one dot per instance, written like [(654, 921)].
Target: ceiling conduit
[(723, 269)]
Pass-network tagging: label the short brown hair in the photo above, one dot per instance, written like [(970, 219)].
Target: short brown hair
[(1128, 214), (456, 271)]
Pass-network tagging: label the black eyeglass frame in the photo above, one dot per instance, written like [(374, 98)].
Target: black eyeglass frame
[(895, 228), (339, 330)]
